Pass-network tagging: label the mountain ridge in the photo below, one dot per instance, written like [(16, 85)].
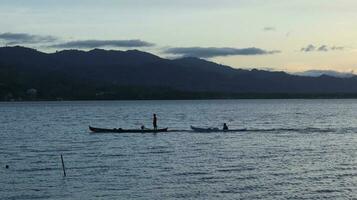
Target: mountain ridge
[(68, 72)]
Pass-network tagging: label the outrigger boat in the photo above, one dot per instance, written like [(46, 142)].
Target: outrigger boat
[(120, 130), (210, 130)]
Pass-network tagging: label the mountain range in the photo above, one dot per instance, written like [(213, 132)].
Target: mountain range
[(26, 73), (317, 73)]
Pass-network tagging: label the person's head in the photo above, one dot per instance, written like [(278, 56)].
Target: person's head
[(224, 124), (154, 115)]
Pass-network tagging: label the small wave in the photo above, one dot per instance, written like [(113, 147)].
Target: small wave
[(190, 173), (346, 175), (158, 147), (211, 179), (232, 191), (299, 130), (236, 169), (30, 196), (115, 155), (37, 169), (91, 167), (236, 190), (326, 191), (156, 152)]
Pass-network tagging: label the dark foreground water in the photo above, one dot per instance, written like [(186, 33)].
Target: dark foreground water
[(293, 149)]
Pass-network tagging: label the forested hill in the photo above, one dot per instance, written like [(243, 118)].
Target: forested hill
[(29, 74)]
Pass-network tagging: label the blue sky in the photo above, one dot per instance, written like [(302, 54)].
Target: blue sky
[(293, 35)]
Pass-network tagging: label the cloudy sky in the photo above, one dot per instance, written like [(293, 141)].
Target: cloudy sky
[(292, 35)]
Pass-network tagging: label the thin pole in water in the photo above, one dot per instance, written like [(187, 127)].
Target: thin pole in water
[(64, 170)]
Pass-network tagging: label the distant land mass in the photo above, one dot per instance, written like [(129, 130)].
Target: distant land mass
[(316, 73), (28, 74)]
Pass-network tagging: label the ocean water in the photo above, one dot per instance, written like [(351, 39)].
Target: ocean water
[(292, 149)]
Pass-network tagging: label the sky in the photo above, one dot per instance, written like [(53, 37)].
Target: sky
[(294, 35)]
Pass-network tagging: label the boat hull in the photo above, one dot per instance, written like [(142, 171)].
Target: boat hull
[(120, 130), (213, 130)]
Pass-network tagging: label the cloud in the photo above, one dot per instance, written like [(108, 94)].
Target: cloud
[(49, 41), (269, 28), (322, 48), (309, 48), (337, 48), (103, 43), (25, 38), (209, 52)]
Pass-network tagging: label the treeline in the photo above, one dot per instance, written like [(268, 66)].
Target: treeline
[(25, 85)]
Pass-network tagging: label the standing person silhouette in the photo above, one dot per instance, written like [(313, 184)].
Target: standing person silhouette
[(225, 127), (154, 122)]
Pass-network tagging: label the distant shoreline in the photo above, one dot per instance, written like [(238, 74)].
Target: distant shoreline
[(201, 96)]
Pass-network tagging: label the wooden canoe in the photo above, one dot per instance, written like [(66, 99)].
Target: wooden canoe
[(120, 130)]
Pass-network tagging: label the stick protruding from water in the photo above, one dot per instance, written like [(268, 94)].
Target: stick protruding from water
[(64, 170)]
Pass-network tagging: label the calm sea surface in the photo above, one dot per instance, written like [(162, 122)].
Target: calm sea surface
[(293, 149)]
